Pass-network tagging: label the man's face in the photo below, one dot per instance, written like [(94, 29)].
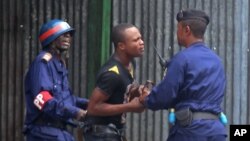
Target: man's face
[(63, 42), (134, 45)]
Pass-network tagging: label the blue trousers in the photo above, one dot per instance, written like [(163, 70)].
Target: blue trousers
[(45, 133), (177, 137), (198, 130)]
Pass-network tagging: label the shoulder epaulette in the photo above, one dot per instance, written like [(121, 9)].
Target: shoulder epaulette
[(47, 57), (114, 69)]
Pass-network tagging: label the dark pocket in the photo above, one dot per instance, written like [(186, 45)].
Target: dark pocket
[(184, 117)]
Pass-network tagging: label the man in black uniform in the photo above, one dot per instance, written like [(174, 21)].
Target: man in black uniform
[(108, 104)]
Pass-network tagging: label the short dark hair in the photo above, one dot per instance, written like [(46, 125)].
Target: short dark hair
[(117, 32), (197, 20), (198, 28)]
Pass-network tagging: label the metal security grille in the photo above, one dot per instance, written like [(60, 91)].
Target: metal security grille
[(227, 35)]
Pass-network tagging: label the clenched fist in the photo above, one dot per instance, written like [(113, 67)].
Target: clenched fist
[(81, 114), (135, 90)]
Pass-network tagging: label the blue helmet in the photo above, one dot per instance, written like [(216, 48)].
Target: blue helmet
[(53, 29)]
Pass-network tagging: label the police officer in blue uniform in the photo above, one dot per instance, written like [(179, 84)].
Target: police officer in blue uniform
[(108, 104), (194, 84), (50, 105)]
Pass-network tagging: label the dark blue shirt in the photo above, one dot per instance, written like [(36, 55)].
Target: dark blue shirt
[(194, 78), (50, 75)]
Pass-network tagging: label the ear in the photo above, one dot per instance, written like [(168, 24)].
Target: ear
[(187, 29), (121, 45)]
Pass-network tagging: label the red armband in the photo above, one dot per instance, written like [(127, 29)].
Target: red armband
[(41, 99)]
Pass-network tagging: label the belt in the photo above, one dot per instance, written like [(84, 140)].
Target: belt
[(186, 116), (107, 129), (56, 123), (204, 115)]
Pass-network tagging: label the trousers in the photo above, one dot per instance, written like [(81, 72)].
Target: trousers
[(103, 133), (177, 137), (46, 133)]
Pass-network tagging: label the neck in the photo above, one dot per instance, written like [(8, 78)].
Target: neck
[(123, 59), (195, 40), (60, 54)]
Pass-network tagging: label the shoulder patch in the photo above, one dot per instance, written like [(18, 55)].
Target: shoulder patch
[(114, 69), (131, 70), (47, 57)]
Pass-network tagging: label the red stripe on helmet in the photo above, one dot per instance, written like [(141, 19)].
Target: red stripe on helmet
[(53, 30)]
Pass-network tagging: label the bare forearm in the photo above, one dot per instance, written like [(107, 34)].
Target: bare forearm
[(105, 109)]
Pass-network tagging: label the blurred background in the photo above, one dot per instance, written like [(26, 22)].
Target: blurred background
[(227, 35)]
